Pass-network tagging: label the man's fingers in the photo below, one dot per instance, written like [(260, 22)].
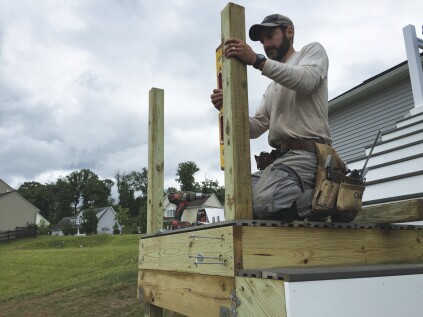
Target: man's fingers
[(231, 41), (218, 105)]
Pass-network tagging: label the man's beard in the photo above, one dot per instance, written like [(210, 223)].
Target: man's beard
[(281, 50)]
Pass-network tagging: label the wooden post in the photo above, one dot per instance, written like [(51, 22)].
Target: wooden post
[(238, 198), (155, 188)]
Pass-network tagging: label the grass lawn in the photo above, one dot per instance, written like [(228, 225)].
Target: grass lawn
[(70, 276)]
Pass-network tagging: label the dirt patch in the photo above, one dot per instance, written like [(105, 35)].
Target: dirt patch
[(118, 301)]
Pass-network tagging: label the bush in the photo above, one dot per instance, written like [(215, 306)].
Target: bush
[(43, 228), (116, 228), (135, 229), (69, 229)]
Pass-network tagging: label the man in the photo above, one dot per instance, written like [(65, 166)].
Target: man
[(293, 109)]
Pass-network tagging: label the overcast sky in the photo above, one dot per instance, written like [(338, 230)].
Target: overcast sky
[(75, 76)]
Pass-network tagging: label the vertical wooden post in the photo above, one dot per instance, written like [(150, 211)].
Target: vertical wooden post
[(155, 188), (152, 311), (238, 198)]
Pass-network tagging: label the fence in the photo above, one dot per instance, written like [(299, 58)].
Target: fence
[(19, 232)]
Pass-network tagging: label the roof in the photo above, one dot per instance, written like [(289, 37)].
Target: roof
[(62, 222), (377, 82), (98, 211), (198, 202), (9, 188), (4, 194)]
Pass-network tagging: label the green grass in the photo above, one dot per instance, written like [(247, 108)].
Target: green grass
[(67, 276)]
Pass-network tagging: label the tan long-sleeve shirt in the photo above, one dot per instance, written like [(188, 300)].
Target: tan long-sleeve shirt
[(295, 104)]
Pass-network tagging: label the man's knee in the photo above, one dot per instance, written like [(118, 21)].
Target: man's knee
[(275, 190)]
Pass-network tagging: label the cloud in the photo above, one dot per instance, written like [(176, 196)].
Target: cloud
[(75, 76)]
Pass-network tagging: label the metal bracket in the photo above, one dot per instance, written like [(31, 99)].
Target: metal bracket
[(193, 237), (235, 302), (199, 258)]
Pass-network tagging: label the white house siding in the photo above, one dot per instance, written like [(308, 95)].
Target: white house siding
[(382, 103), (106, 220)]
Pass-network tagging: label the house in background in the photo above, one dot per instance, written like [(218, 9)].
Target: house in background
[(390, 102), (16, 211), (106, 221), (57, 229), (212, 206)]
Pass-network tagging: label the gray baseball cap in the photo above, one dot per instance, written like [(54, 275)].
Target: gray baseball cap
[(269, 21)]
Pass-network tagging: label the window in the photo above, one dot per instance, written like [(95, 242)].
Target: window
[(170, 213)]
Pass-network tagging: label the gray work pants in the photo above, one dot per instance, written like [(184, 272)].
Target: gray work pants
[(290, 178)]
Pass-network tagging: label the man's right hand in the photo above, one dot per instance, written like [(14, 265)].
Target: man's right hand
[(217, 98)]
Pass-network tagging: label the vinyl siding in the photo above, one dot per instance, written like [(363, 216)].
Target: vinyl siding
[(355, 126), (15, 212)]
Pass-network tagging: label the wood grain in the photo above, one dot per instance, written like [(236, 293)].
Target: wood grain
[(260, 297), (155, 161), (394, 212), (306, 247), (238, 199), (171, 252), (189, 294)]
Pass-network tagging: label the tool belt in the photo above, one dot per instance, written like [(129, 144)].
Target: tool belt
[(335, 193), (298, 145), (265, 159)]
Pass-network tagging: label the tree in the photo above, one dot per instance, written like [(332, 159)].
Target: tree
[(89, 221), (185, 176), (53, 199), (69, 228), (209, 186), (128, 186), (63, 198), (88, 190), (43, 228), (122, 216), (170, 190), (38, 195)]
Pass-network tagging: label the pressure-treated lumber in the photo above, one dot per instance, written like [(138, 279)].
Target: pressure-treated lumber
[(238, 199), (308, 247), (177, 252), (260, 297), (394, 212), (155, 160), (188, 294), (152, 311)]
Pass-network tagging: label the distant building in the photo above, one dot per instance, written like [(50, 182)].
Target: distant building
[(106, 221), (211, 204), (16, 211)]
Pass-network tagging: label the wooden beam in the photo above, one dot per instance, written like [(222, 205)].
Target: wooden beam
[(176, 252), (266, 247), (155, 188), (393, 212), (260, 297), (188, 294), (238, 198)]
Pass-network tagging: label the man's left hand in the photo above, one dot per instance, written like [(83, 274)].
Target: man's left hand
[(240, 50)]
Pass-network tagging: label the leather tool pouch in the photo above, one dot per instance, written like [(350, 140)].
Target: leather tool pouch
[(350, 197), (335, 193), (265, 159)]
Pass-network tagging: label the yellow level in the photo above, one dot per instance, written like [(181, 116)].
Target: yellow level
[(219, 64)]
